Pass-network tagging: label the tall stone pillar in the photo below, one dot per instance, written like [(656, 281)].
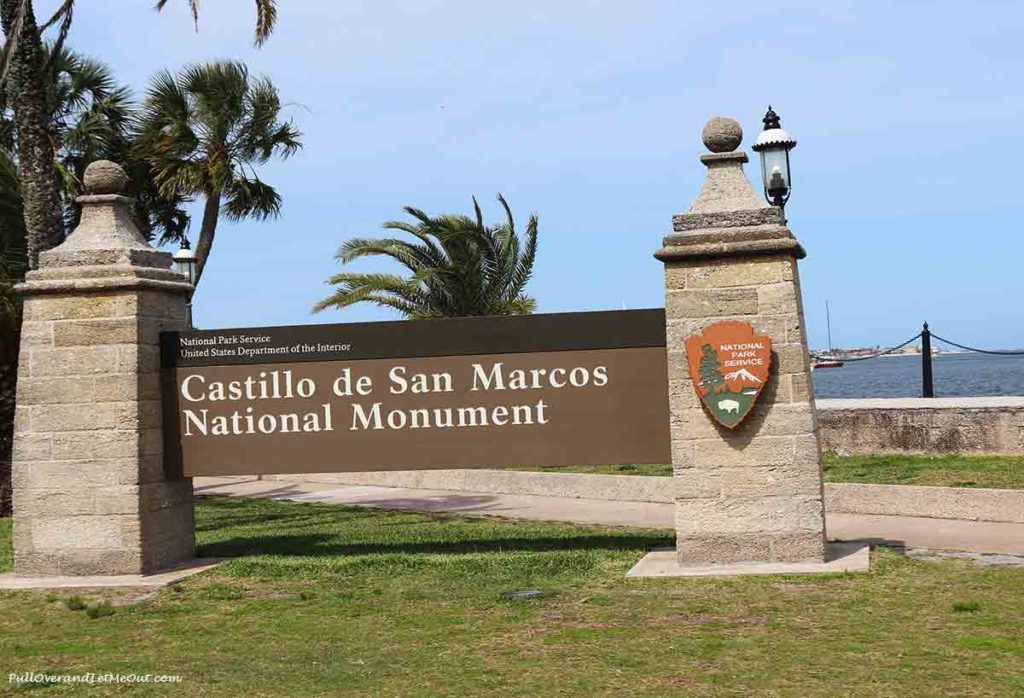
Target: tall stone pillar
[(752, 493), (90, 493)]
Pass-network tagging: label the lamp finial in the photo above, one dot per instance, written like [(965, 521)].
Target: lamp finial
[(771, 119)]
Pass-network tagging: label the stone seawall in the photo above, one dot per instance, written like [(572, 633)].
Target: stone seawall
[(979, 425)]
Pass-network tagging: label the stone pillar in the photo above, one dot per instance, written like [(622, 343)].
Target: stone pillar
[(90, 493), (752, 493)]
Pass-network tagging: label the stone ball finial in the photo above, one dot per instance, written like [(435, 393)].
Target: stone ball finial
[(104, 177), (722, 134)]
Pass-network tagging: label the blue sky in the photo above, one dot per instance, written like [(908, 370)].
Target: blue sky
[(910, 122)]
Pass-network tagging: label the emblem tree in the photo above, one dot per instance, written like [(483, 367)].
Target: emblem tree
[(710, 372)]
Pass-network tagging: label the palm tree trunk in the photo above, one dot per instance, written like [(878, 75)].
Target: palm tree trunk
[(211, 212), (10, 322), (8, 378), (27, 89)]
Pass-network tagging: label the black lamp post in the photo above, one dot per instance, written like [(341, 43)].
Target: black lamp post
[(773, 145), (185, 264)]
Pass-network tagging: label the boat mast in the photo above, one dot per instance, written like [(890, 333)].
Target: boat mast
[(828, 323)]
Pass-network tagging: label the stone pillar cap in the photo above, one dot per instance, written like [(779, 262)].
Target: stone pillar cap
[(104, 177), (728, 217), (726, 187), (106, 249), (722, 134)]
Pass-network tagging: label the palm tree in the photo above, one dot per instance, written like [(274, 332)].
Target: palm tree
[(24, 77), (12, 234), (13, 264), (13, 258), (90, 115), (25, 74), (204, 131), (459, 267), (92, 120)]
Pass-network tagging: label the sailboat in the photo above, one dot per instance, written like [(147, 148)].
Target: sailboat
[(828, 363)]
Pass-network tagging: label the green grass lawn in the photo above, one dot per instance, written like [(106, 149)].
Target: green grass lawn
[(1003, 472), (327, 600)]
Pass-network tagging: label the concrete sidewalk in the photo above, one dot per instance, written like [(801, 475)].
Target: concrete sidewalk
[(911, 532)]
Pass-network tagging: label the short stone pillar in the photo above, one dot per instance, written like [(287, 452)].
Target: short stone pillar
[(90, 493), (752, 493)]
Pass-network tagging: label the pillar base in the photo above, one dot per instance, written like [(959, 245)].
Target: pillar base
[(717, 548), (839, 558), (107, 581)]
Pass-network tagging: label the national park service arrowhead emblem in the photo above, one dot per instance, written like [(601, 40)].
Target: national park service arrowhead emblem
[(729, 366)]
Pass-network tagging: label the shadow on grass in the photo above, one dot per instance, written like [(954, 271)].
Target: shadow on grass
[(320, 545), (231, 513), (262, 527)]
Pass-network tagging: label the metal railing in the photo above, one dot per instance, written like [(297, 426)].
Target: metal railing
[(926, 336)]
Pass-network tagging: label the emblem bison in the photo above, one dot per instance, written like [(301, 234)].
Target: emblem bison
[(729, 406)]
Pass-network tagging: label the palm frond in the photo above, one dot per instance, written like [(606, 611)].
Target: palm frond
[(342, 299), (266, 20), (251, 198), (457, 266), (524, 264), (64, 14), (218, 93), (13, 33), (266, 17), (414, 257), (522, 305)]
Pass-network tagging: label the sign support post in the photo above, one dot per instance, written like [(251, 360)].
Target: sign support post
[(90, 493), (748, 491)]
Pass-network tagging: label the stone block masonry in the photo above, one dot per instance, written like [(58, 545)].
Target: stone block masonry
[(969, 425), (753, 493), (90, 493)]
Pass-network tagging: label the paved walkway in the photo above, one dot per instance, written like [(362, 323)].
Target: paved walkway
[(912, 532)]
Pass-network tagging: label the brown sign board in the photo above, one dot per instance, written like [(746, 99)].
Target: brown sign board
[(552, 390)]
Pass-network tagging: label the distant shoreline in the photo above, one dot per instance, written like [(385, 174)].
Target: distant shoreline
[(894, 356)]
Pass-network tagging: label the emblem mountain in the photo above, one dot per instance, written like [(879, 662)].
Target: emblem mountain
[(742, 374)]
